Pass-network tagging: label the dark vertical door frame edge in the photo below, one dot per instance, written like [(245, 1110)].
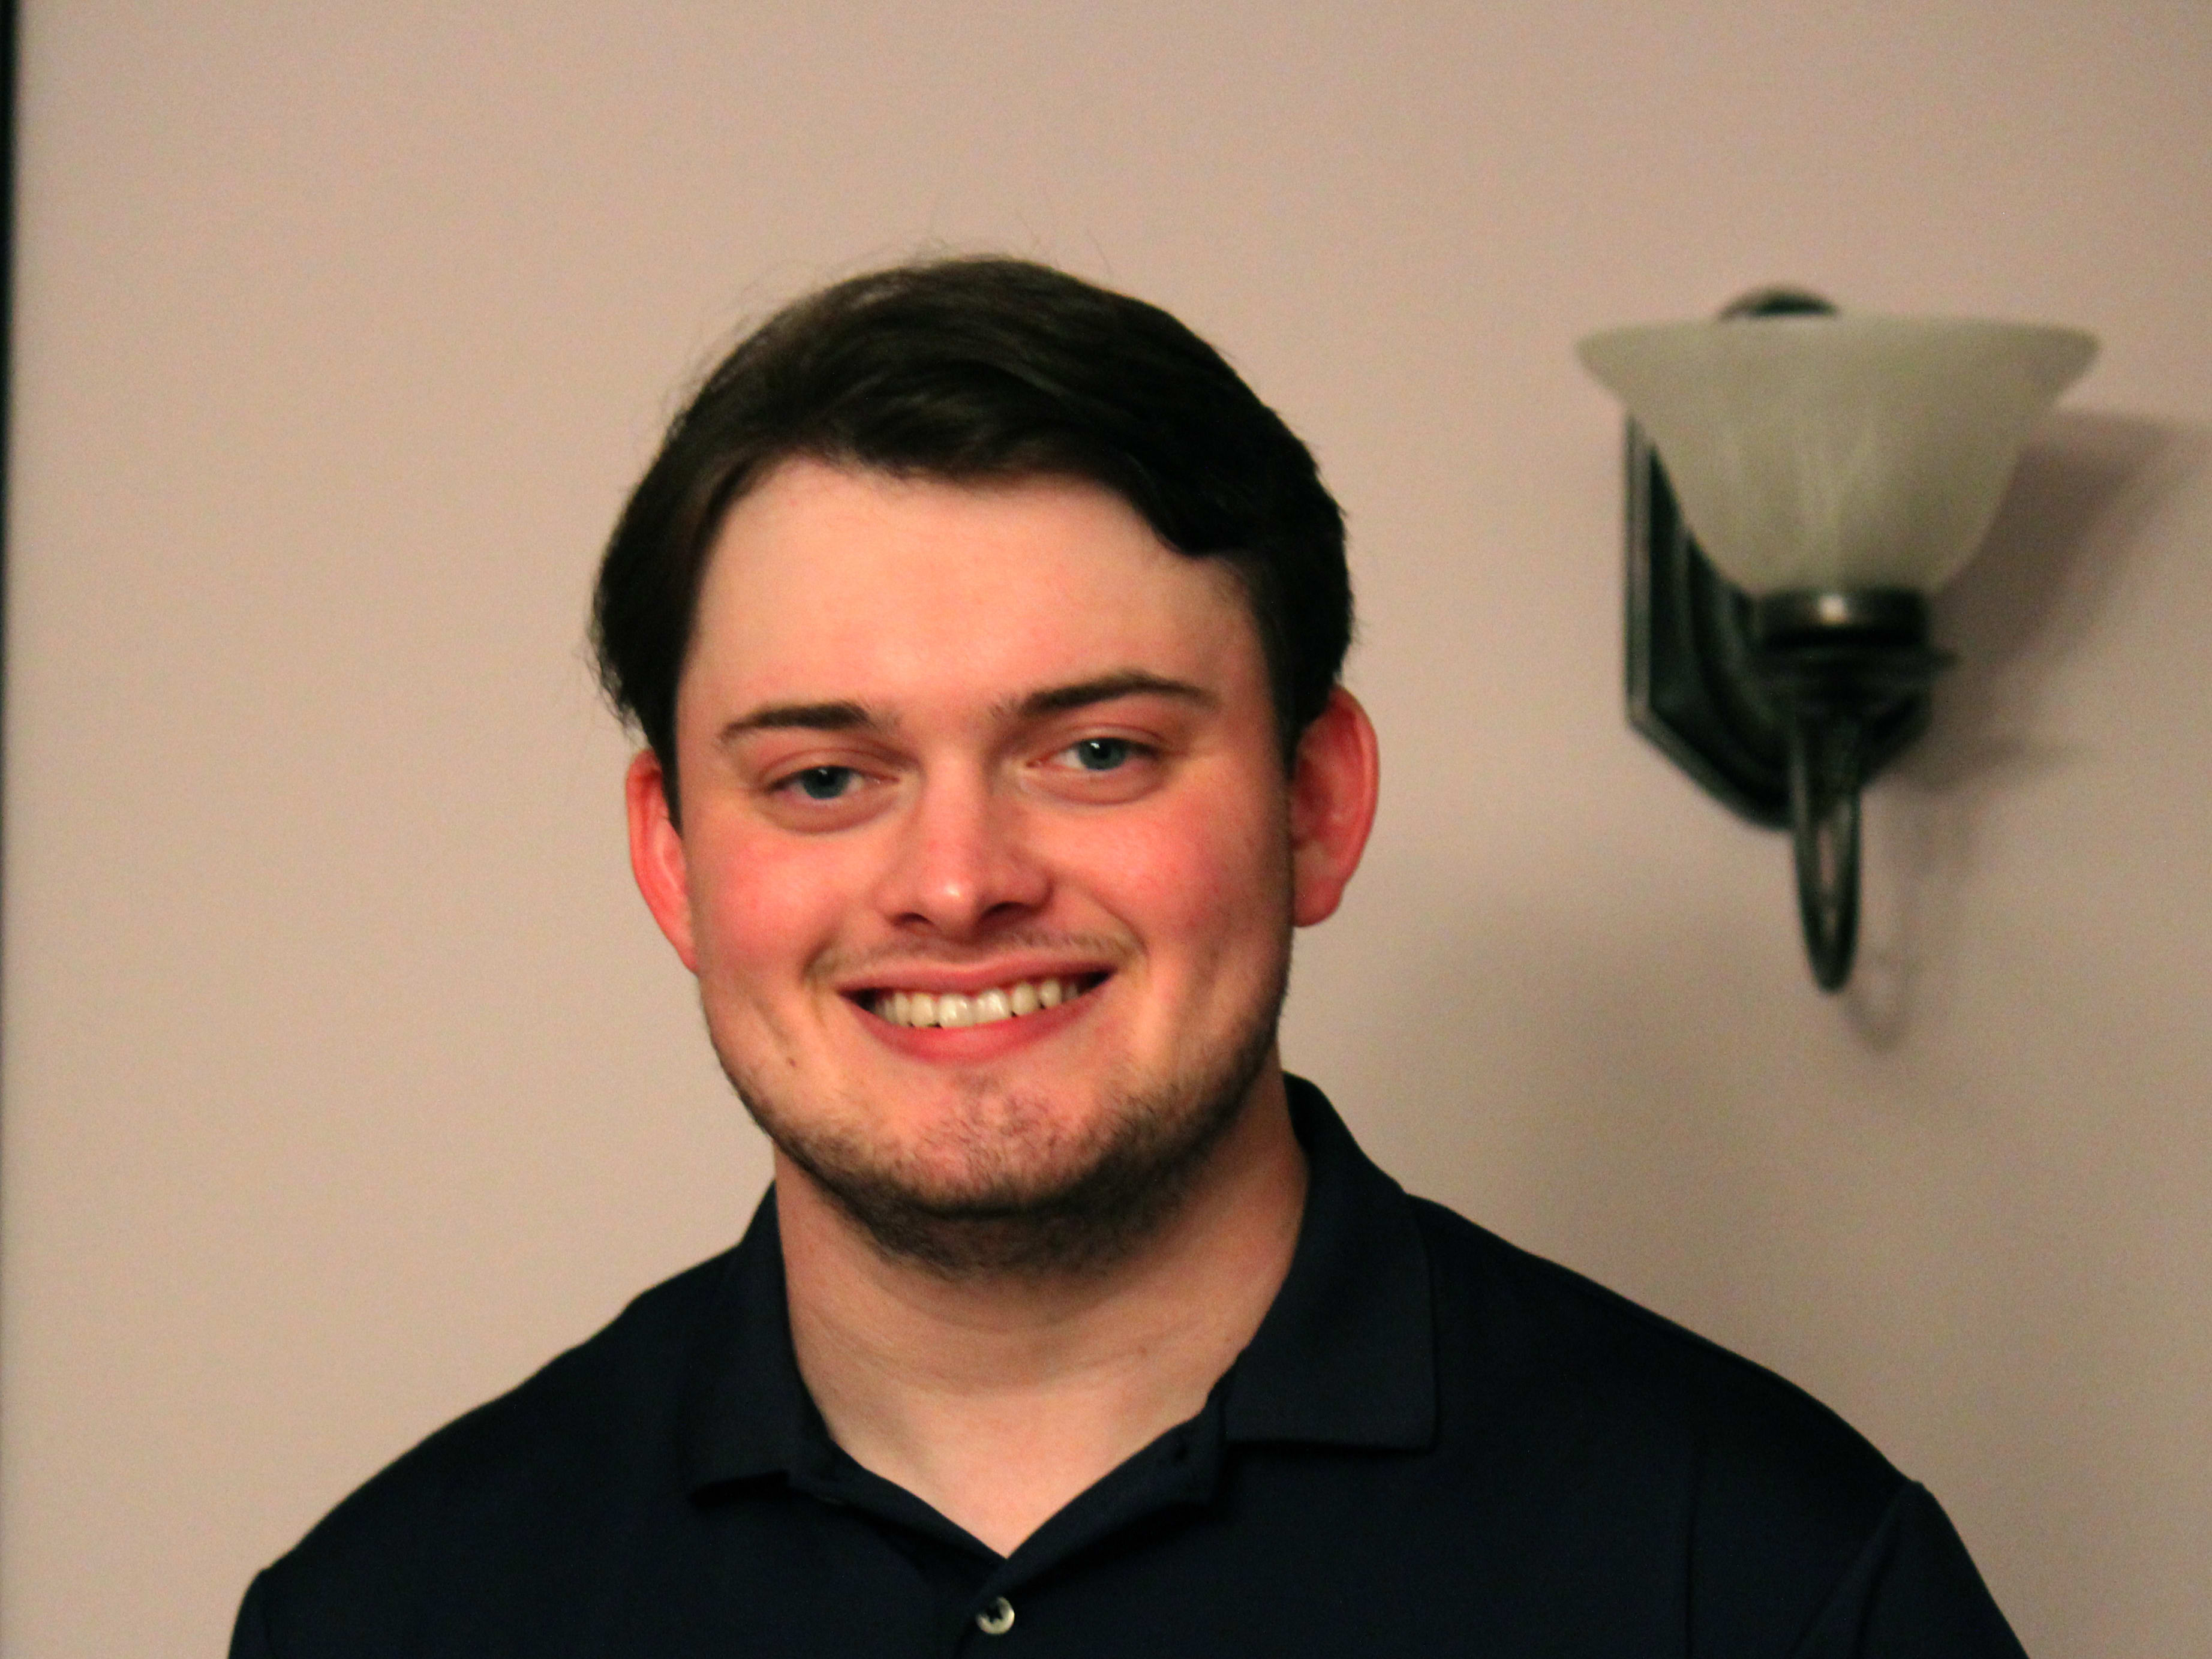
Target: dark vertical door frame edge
[(10, 35)]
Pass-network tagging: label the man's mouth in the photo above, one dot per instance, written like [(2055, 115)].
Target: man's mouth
[(953, 1009)]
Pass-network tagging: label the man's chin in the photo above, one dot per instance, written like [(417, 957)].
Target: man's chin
[(1021, 1198)]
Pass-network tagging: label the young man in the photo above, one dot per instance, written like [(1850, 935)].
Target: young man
[(983, 628)]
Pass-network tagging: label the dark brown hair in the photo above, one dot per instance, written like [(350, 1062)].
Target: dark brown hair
[(974, 370)]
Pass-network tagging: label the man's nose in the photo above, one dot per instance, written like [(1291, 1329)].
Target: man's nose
[(962, 862)]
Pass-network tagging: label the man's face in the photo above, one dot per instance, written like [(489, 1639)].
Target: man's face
[(985, 864)]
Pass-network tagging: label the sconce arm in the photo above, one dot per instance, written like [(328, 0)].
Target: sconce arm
[(1842, 664), (1825, 777)]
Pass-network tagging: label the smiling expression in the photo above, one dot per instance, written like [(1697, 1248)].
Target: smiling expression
[(985, 865)]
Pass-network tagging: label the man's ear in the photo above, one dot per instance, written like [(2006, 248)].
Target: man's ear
[(656, 853), (1334, 779)]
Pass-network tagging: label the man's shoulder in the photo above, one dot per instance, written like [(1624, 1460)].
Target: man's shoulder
[(622, 1380), (1620, 1424), (535, 1471), (1539, 1371), (1533, 1327)]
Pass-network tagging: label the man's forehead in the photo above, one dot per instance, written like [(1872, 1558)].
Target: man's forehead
[(847, 578)]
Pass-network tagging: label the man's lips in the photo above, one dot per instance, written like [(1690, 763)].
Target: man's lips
[(954, 1009)]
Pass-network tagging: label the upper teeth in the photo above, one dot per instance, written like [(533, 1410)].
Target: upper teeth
[(952, 1008)]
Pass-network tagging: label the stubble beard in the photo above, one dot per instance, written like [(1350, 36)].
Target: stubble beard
[(1031, 1201)]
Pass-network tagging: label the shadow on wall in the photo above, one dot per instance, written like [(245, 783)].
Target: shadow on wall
[(2062, 543)]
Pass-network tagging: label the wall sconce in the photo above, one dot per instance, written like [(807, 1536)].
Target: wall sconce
[(1823, 474)]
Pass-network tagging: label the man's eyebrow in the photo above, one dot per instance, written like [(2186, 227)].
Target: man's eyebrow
[(1129, 683), (802, 717), (1053, 700)]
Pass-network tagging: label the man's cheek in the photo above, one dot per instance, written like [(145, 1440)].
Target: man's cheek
[(759, 917)]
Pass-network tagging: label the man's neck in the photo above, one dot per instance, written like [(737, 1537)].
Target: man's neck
[(997, 1399)]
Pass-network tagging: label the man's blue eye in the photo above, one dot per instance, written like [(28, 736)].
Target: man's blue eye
[(824, 782), (1102, 754)]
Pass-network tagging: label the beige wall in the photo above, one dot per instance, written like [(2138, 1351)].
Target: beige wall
[(345, 1079)]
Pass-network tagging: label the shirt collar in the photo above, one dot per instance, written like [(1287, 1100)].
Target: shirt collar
[(746, 1412), (1345, 1356)]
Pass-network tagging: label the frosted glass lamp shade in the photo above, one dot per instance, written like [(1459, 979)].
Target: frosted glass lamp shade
[(1832, 452)]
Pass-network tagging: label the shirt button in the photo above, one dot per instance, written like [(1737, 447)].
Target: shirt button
[(997, 1618)]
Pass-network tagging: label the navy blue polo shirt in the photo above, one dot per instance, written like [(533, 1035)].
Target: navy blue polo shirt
[(1435, 1444)]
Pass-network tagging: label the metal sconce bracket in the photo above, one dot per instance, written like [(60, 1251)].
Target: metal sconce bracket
[(1692, 688)]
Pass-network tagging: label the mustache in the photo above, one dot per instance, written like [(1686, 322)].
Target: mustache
[(1107, 948)]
